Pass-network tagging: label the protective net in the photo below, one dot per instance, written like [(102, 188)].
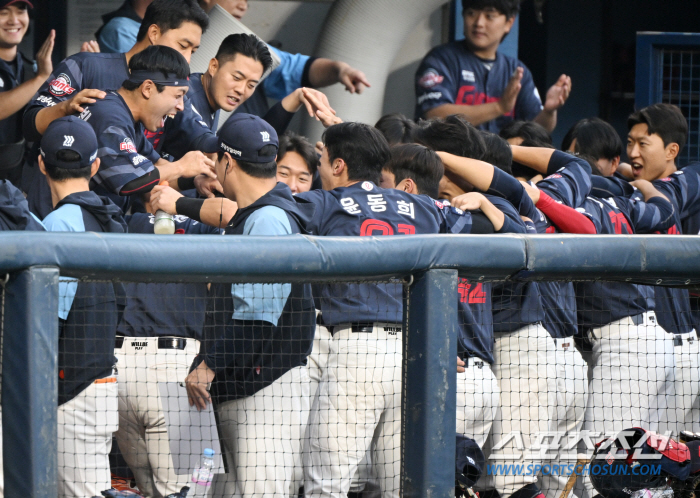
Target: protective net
[(289, 389)]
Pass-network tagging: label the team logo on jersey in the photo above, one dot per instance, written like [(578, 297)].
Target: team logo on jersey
[(430, 78), (265, 136), (667, 179), (553, 177), (68, 140), (367, 186), (468, 76), (439, 204), (85, 115), (61, 86), (127, 145)]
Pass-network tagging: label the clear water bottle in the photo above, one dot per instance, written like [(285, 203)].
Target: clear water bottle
[(203, 474), (164, 224)]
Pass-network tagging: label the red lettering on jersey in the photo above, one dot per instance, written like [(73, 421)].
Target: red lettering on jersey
[(406, 229), (667, 179), (467, 95), (619, 222), (154, 136), (674, 230), (470, 295), (369, 227)]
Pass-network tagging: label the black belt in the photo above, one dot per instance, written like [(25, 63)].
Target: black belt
[(361, 327), (163, 342)]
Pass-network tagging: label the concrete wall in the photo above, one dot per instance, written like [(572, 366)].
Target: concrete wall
[(297, 26)]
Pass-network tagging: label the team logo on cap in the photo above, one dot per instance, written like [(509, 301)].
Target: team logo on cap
[(430, 78), (61, 86), (367, 186), (127, 145), (68, 140), (265, 136)]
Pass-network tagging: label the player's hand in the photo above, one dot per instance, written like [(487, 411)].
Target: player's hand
[(352, 79), (532, 192), (318, 106), (460, 365), (164, 198), (206, 186), (625, 169), (558, 93), (319, 148), (82, 98), (510, 93), (197, 383), (43, 57), (469, 201), (90, 46), (196, 163)]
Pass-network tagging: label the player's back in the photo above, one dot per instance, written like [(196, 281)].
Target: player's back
[(364, 209)]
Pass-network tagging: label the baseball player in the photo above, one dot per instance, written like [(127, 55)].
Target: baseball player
[(477, 390), (20, 78), (82, 78), (565, 403), (87, 385), (365, 355), (656, 136), (632, 362), (154, 91), (231, 79), (472, 78), (158, 337), (261, 334)]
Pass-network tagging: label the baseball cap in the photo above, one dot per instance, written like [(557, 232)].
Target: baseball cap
[(470, 461), (69, 134), (5, 3), (243, 135)]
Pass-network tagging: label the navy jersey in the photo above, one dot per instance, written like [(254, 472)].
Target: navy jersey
[(14, 210), (474, 298), (682, 188), (124, 152), (600, 303), (518, 304), (87, 310), (13, 148), (256, 333), (102, 72), (156, 309), (452, 74), (364, 209)]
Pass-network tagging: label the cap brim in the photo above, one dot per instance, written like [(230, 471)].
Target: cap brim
[(31, 5)]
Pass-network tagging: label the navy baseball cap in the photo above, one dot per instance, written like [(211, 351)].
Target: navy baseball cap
[(469, 462), (5, 3), (244, 135), (69, 134)]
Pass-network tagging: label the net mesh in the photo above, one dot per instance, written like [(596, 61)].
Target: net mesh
[(680, 85), (153, 374)]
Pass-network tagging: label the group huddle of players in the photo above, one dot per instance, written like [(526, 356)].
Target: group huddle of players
[(306, 379)]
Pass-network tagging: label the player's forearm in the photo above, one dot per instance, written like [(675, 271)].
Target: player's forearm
[(324, 72), (495, 215), (475, 114), (48, 115), (217, 211), (536, 158), (548, 119), (478, 173), (14, 100)]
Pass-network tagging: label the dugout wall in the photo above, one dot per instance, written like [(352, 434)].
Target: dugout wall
[(428, 267)]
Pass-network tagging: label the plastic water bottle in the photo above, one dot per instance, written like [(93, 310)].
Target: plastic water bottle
[(203, 474), (164, 224)]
